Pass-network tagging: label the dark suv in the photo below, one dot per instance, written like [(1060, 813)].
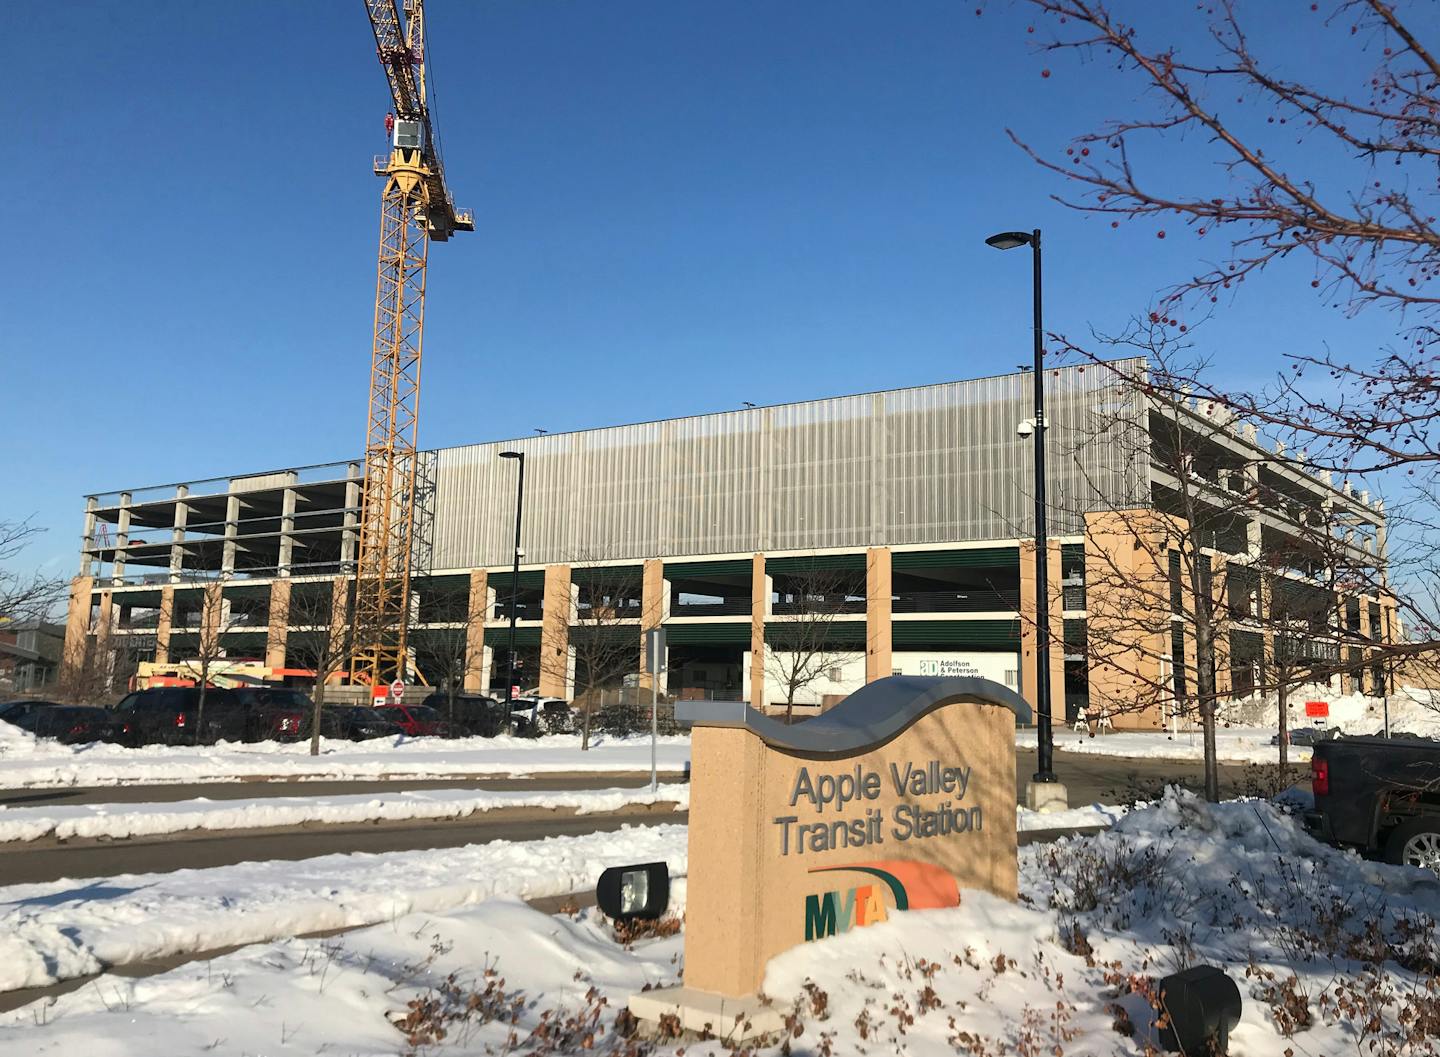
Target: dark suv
[(167, 715), (474, 714), (69, 724), (273, 712), (356, 723)]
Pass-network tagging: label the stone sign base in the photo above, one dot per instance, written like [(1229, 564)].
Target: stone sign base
[(704, 1012)]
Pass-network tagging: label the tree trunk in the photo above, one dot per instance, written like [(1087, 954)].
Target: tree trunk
[(585, 735), (200, 703), (1282, 692), (1205, 691), (315, 713)]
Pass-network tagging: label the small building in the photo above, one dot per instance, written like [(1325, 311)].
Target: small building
[(30, 654)]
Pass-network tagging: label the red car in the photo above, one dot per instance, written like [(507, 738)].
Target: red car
[(415, 720)]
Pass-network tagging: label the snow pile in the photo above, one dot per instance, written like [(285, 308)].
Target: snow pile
[(1075, 818), (146, 820), (62, 929), (1412, 710), (27, 762), (1314, 938)]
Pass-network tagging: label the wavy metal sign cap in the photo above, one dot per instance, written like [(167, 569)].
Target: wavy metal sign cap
[(869, 717)]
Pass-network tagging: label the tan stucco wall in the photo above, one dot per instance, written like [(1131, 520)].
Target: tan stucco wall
[(878, 616), (1029, 639), (477, 605), (555, 631), (652, 609), (278, 632), (162, 625), (746, 902), (1127, 601), (77, 630), (759, 602)]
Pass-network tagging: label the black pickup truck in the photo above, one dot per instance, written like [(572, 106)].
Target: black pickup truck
[(1380, 796)]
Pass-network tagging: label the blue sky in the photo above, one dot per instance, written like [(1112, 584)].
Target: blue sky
[(680, 206)]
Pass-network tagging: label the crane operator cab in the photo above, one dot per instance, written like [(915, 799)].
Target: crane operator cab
[(409, 135)]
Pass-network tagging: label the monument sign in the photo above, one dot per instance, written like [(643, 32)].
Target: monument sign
[(895, 800)]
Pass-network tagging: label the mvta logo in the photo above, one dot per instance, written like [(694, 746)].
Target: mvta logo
[(910, 885), (827, 913)]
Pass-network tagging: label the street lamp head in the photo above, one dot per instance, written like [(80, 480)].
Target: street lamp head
[(1009, 240), (512, 455)]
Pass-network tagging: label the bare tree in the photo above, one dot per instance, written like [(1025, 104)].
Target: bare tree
[(1358, 203), (453, 621), (1215, 553), (802, 638), (604, 635), (323, 639), (24, 595)]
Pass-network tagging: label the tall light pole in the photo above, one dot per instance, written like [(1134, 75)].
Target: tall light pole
[(1045, 769), (519, 456)]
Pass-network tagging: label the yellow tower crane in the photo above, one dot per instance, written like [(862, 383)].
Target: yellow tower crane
[(415, 208)]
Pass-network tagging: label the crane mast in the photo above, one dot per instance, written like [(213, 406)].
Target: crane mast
[(415, 207)]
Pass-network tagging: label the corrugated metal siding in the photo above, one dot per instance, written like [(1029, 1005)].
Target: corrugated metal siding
[(937, 464)]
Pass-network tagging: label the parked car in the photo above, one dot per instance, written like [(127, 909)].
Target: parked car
[(167, 715), (15, 711), (415, 720), (274, 712), (69, 724), (1380, 796), (533, 716), (1306, 735), (356, 723), (473, 714)]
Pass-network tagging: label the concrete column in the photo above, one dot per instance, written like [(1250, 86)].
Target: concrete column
[(559, 614), (212, 615), (349, 537), (1029, 639), (287, 528), (277, 632), (177, 533), (162, 625), (878, 616), (759, 610), (77, 631), (654, 608), (339, 614), (232, 529), (87, 561), (104, 627), (475, 616), (122, 540)]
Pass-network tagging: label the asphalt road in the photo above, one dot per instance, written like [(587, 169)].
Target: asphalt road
[(1090, 779), (147, 794)]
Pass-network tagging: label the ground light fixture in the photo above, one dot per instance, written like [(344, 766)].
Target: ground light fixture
[(1200, 1006), (1035, 427), (629, 892)]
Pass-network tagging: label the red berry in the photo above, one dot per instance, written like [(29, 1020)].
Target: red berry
[(1159, 234), (1044, 73)]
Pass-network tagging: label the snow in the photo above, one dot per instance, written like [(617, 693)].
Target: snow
[(152, 819), (1232, 745), (1074, 818), (62, 929), (1236, 885), (28, 762)]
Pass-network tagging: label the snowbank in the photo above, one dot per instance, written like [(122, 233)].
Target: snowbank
[(27, 762), (62, 929), (1412, 710), (1232, 745), (145, 820), (1304, 930)]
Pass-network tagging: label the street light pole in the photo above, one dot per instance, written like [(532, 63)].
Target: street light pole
[(1045, 755), (519, 456)]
